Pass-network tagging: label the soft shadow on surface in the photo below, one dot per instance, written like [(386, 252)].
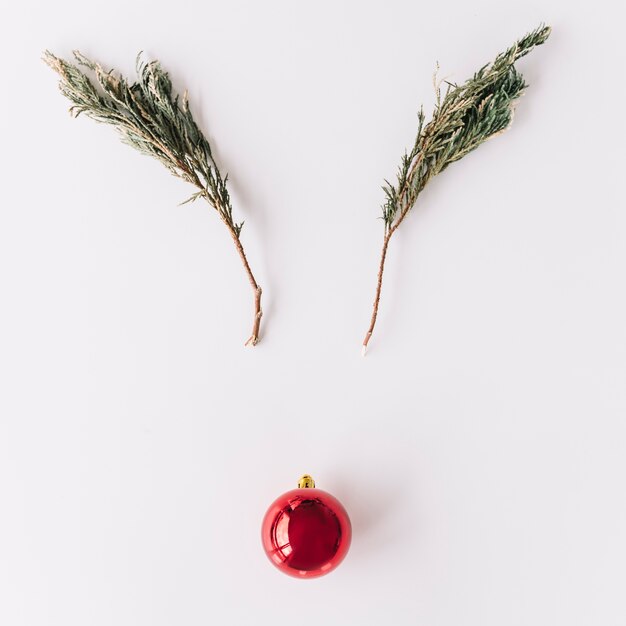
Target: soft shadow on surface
[(374, 503)]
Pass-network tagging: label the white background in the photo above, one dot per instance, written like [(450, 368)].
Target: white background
[(479, 447)]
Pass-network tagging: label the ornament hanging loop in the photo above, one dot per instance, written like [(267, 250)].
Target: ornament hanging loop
[(306, 482)]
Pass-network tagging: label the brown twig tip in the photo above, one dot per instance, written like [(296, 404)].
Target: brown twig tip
[(258, 314), (364, 346), (465, 116)]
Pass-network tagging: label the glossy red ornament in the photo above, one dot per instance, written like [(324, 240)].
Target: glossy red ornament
[(306, 532)]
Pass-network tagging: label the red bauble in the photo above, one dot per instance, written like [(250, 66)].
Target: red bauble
[(306, 532)]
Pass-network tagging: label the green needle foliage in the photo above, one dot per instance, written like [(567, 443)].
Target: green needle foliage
[(464, 117), (152, 119)]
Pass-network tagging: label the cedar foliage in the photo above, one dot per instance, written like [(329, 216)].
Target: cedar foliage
[(465, 116), (154, 120)]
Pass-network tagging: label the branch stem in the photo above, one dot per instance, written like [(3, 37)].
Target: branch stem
[(379, 284), (258, 312)]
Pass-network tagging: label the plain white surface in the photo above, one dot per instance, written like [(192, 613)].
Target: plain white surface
[(480, 446)]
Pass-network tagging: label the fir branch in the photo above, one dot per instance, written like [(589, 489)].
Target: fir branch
[(464, 117), (154, 120)]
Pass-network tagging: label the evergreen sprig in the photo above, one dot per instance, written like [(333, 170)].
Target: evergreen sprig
[(464, 117), (154, 120)]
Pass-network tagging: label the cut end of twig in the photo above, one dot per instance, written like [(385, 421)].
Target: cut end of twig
[(252, 341), (365, 342)]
